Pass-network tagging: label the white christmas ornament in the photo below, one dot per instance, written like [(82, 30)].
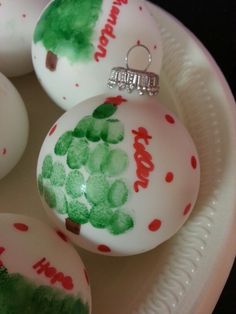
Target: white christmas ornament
[(76, 43), (40, 272), (17, 22), (118, 174), (14, 126)]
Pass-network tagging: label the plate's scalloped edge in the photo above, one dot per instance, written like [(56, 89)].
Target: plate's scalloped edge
[(190, 88)]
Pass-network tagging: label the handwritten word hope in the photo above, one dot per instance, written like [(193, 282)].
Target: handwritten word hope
[(142, 158), (107, 31), (44, 267)]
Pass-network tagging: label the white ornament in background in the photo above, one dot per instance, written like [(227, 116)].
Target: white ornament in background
[(14, 126), (17, 22), (120, 25)]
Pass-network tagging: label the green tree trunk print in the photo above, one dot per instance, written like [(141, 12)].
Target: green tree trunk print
[(66, 28), (91, 148)]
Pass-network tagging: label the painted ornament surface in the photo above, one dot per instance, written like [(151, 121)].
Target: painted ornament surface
[(34, 278), (17, 22), (120, 175), (75, 42)]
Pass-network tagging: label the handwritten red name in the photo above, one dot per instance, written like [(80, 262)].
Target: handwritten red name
[(2, 249), (107, 31), (44, 267), (142, 158)]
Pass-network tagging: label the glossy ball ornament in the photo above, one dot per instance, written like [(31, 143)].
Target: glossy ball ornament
[(118, 174), (77, 42)]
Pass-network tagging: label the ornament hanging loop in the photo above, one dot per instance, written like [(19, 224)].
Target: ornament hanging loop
[(133, 79)]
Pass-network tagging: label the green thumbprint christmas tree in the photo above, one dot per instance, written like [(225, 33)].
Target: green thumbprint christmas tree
[(19, 295), (85, 182), (66, 29)]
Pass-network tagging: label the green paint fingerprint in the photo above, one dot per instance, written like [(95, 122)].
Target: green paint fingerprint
[(94, 130), (78, 212), (67, 26), (97, 188), (75, 184), (113, 131), (47, 167), (100, 215), (120, 222), (104, 111), (116, 162), (19, 295), (63, 143), (49, 195), (82, 126), (40, 184), (61, 201), (118, 193), (58, 174), (78, 153), (97, 157)]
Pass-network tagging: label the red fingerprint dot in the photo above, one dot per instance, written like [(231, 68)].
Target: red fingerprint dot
[(20, 226), (194, 162), (187, 209), (62, 235), (86, 276), (2, 249), (4, 151), (76, 85), (24, 15), (154, 225), (169, 119), (169, 177), (138, 42), (140, 8), (104, 248), (155, 47), (52, 130)]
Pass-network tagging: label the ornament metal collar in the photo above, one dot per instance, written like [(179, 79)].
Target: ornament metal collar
[(132, 79)]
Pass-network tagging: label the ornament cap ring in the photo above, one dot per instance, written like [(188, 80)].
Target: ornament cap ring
[(138, 46)]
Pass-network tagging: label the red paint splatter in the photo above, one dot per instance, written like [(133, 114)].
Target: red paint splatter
[(62, 235), (187, 209), (86, 276), (52, 130), (169, 119), (104, 248), (169, 177), (76, 85), (194, 162), (138, 42), (115, 100), (154, 225), (2, 249), (4, 151), (20, 226)]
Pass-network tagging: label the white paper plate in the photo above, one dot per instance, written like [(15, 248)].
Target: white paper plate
[(186, 274)]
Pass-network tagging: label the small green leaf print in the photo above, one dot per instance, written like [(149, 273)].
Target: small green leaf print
[(82, 126), (113, 131), (97, 188), (75, 184), (49, 195), (120, 222), (78, 153), (78, 212), (40, 184), (100, 215), (97, 157), (94, 130), (116, 162), (58, 174), (47, 167), (104, 111), (63, 143), (118, 193), (61, 201)]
